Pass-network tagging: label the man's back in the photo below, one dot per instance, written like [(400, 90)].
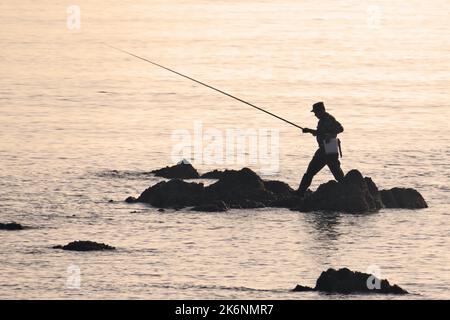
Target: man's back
[(328, 127)]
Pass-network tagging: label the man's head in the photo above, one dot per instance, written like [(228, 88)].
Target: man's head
[(318, 109)]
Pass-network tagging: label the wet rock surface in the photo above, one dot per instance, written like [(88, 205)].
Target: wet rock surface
[(217, 206), (85, 246), (244, 189), (345, 281)]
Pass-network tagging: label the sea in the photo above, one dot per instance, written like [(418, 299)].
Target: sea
[(82, 125)]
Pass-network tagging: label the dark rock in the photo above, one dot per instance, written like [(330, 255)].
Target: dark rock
[(279, 188), (178, 171), (85, 246), (354, 194), (216, 174), (173, 194), (403, 198), (247, 204), (161, 210), (216, 206), (235, 187), (130, 200), (11, 226), (346, 281), (300, 288), (245, 189)]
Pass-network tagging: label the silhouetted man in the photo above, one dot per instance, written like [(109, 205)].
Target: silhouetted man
[(328, 128)]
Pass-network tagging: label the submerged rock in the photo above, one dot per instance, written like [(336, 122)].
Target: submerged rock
[(345, 281), (403, 198), (182, 170), (85, 246), (245, 189), (11, 226)]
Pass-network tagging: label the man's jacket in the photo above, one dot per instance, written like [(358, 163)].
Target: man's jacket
[(328, 127)]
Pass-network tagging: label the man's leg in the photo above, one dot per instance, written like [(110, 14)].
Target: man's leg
[(316, 164), (335, 167)]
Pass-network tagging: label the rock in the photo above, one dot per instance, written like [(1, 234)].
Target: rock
[(300, 288), (403, 198), (216, 174), (11, 226), (161, 210), (245, 189), (85, 246), (247, 204), (179, 171), (130, 200), (345, 281), (236, 187), (217, 206), (174, 194), (278, 188), (355, 194)]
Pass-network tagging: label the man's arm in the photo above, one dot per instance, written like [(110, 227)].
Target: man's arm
[(307, 130)]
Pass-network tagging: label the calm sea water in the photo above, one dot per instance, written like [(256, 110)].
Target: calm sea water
[(80, 123)]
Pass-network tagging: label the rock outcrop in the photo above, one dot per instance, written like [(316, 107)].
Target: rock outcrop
[(181, 170), (174, 193), (345, 281), (245, 189), (215, 174), (85, 246), (354, 194), (403, 198)]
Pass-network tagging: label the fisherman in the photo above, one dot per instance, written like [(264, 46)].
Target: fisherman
[(327, 129)]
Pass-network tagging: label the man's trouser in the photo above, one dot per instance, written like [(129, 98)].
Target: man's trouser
[(317, 163)]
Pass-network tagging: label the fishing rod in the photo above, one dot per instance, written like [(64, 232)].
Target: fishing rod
[(206, 85)]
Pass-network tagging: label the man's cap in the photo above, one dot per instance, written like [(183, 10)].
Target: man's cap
[(319, 106)]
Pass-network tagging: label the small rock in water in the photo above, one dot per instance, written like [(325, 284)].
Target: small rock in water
[(85, 246), (130, 200), (11, 226), (178, 171), (403, 198), (161, 210), (300, 288), (345, 281)]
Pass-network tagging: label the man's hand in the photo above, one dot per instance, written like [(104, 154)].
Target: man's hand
[(307, 130)]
